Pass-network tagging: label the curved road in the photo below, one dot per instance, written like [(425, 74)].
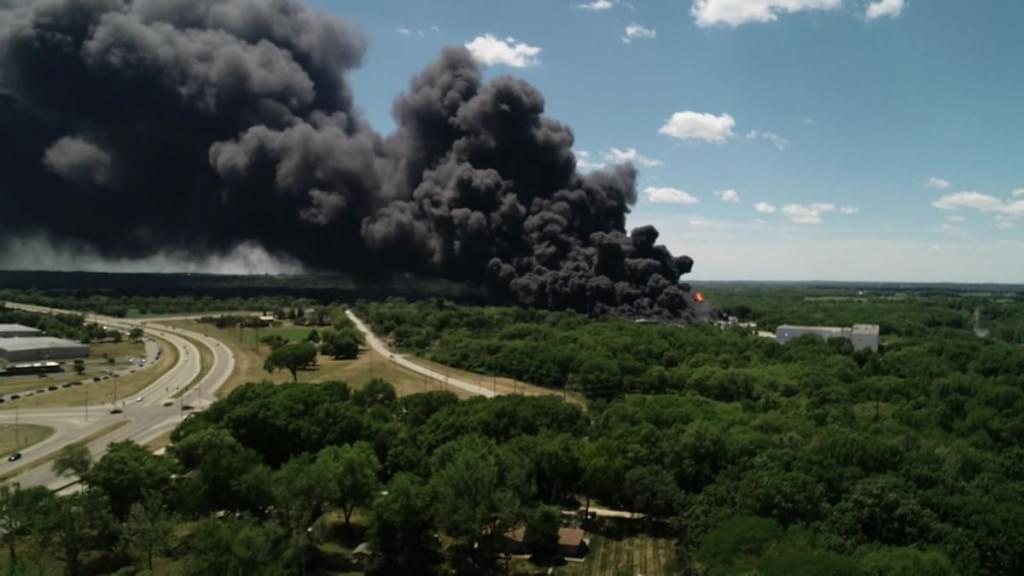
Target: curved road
[(156, 414), (379, 347)]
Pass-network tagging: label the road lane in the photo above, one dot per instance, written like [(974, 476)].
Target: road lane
[(378, 346), (156, 414)]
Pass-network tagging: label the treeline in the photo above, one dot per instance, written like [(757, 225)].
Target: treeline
[(821, 481), (69, 326), (898, 312), (610, 357), (121, 306)]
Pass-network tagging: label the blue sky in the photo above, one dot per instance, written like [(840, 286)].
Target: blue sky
[(881, 140)]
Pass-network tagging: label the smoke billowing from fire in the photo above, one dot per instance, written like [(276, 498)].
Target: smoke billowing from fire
[(142, 127)]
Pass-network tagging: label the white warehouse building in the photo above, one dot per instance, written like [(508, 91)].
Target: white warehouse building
[(41, 349), (18, 331), (862, 336)]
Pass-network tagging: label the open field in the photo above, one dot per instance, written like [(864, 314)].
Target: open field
[(249, 362), (498, 384), (25, 435), (53, 456), (98, 392)]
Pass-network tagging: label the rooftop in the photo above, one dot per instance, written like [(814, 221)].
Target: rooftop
[(14, 344), (18, 328)]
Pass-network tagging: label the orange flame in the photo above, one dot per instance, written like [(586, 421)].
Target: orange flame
[(699, 297)]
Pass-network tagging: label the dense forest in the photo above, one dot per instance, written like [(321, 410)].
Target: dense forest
[(756, 458)]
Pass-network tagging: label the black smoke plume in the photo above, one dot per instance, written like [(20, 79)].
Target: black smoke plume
[(138, 127)]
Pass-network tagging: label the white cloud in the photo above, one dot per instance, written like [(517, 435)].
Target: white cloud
[(403, 31), (1004, 225), (689, 125), (596, 5), (882, 8), (956, 218), (808, 121), (772, 137), (637, 32), (490, 51), (936, 183), (982, 203), (737, 12), (1018, 193), (807, 213), (849, 210), (630, 155), (668, 196), (765, 208), (584, 161), (730, 195)]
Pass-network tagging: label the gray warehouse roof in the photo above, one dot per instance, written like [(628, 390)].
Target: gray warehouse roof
[(17, 328), (17, 344)]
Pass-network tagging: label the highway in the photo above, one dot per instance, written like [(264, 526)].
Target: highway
[(141, 421), (379, 347)]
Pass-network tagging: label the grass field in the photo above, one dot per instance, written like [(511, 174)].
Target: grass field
[(27, 435), (98, 392), (53, 455), (249, 362)]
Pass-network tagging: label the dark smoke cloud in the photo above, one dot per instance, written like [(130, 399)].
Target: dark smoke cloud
[(151, 127)]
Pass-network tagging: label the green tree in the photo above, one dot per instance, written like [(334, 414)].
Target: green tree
[(292, 357), (477, 501), (541, 538), (73, 460), (148, 529), (71, 525), (303, 488), (19, 513), (342, 344), (402, 530), (126, 472), (354, 469), (136, 334), (376, 392), (234, 547)]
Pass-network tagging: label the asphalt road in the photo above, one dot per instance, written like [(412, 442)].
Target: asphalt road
[(146, 419), (378, 346)]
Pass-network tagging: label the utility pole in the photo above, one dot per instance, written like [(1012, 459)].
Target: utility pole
[(86, 386), (17, 438)]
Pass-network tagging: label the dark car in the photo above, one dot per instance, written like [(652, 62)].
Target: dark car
[(15, 396), (14, 457), (52, 388), (116, 411), (186, 407)]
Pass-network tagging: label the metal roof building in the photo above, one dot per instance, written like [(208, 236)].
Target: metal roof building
[(860, 335), (36, 349), (17, 331)]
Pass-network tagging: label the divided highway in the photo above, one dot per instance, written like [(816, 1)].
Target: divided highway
[(141, 421)]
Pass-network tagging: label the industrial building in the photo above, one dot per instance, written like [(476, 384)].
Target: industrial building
[(18, 331), (38, 349), (862, 336)]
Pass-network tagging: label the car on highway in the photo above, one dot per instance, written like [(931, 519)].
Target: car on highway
[(139, 399), (186, 407), (14, 457), (52, 388), (15, 396), (168, 403), (68, 384), (117, 411)]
